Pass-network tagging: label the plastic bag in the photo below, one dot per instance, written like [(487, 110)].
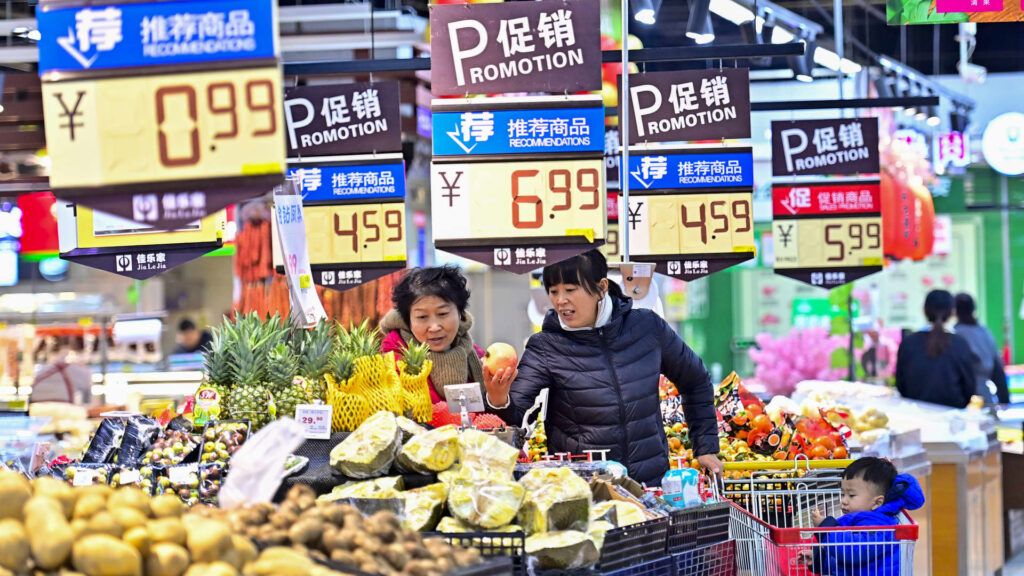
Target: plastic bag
[(173, 447), (87, 474), (371, 449), (211, 479), (105, 442), (481, 451), (139, 435), (268, 449)]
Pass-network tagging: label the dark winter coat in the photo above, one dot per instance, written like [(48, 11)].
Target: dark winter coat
[(947, 379), (603, 389), (875, 552)]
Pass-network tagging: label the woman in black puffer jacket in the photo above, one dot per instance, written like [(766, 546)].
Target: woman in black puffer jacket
[(601, 361)]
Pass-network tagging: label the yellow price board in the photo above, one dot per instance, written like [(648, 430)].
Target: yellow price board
[(827, 234), (189, 127), (92, 229), (350, 244), (689, 235), (612, 248)]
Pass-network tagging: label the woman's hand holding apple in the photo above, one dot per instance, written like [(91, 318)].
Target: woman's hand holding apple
[(500, 362)]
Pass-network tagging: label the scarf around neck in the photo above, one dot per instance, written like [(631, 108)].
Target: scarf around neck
[(604, 315), (457, 365)]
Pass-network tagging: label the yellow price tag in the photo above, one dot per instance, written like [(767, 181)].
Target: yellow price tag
[(690, 224), (353, 234), (163, 128), (824, 243)]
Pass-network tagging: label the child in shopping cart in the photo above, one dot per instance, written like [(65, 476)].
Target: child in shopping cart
[(873, 495)]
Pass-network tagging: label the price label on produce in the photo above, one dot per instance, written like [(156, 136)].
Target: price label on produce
[(181, 474), (827, 234), (83, 477), (129, 476), (162, 97), (691, 212), (315, 419)]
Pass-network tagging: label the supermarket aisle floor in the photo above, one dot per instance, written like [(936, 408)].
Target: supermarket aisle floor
[(1015, 567)]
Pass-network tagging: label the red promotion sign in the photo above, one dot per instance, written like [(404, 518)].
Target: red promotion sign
[(839, 198)]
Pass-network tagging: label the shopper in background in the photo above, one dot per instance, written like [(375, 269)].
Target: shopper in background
[(934, 365), (64, 378), (987, 363), (601, 360), (191, 340), (431, 306)]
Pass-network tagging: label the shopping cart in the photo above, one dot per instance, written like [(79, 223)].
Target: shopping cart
[(774, 535)]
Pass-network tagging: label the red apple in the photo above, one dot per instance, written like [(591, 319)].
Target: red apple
[(500, 355)]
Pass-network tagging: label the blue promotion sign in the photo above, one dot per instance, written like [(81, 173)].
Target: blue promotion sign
[(672, 170), (154, 33), (533, 131), (363, 182)]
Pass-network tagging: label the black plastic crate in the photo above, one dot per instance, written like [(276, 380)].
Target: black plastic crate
[(511, 545), (688, 526), (632, 545), (660, 567), (715, 560), (492, 566)]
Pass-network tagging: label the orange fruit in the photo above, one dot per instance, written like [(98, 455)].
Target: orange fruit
[(674, 444), (840, 453), (819, 452), (762, 423)]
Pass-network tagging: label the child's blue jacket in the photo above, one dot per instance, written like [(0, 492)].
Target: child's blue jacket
[(854, 553)]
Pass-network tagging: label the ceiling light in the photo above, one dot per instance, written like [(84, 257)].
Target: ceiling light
[(698, 26), (732, 11), (646, 11), (803, 66), (933, 117)]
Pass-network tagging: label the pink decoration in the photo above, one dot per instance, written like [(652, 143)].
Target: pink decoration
[(806, 354)]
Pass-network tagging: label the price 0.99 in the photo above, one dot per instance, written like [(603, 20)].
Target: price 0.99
[(219, 106), (564, 189)]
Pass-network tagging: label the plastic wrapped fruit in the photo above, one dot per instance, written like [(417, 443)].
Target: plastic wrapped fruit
[(222, 439), (433, 451), (424, 507), (371, 449), (487, 502), (172, 448), (562, 550), (556, 499), (485, 452)]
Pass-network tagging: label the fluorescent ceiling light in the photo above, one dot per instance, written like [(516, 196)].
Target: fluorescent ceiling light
[(829, 59), (731, 11), (646, 16), (780, 36)]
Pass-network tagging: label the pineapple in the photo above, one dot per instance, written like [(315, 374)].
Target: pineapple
[(341, 366), (415, 357), (252, 340), (282, 366), (314, 350), (360, 340), (350, 407), (218, 370)]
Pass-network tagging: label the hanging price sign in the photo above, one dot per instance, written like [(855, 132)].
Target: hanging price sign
[(129, 248), (162, 97), (827, 234), (498, 197), (354, 217), (691, 212)]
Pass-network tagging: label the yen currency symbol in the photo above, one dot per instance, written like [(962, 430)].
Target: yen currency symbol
[(786, 235), (450, 187), (634, 215), (72, 113)]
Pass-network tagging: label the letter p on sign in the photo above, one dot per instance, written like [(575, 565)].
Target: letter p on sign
[(458, 54), (789, 149), (294, 125), (640, 111)]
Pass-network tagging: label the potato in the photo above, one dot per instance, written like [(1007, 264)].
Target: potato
[(58, 490), (13, 545), (139, 539), (167, 560), (14, 492), (128, 517), (88, 506), (103, 555), (208, 540), (49, 534), (130, 498), (280, 561), (167, 530), (104, 523), (6, 572), (306, 531), (245, 549), (166, 506), (80, 528), (102, 490), (214, 569)]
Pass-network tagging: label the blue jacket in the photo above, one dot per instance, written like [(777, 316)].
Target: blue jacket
[(603, 389), (850, 553)]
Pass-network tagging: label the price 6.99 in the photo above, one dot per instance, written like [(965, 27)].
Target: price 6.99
[(565, 189)]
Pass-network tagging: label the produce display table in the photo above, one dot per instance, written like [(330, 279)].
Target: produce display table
[(966, 494)]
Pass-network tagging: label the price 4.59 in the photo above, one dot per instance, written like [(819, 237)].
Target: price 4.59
[(356, 233)]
